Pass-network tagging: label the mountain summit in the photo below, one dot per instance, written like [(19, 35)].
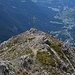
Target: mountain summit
[(36, 53)]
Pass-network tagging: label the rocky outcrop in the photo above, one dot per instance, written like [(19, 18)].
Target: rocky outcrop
[(6, 68), (36, 53)]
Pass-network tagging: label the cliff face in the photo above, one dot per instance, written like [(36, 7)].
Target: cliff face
[(36, 53)]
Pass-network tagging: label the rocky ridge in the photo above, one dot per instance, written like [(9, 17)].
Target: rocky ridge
[(36, 53)]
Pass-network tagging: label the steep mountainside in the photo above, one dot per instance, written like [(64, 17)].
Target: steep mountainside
[(36, 53), (8, 27)]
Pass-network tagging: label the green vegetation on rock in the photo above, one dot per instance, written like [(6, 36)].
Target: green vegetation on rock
[(45, 59)]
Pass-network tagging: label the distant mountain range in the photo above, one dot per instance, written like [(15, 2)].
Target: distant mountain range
[(8, 26), (17, 16)]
